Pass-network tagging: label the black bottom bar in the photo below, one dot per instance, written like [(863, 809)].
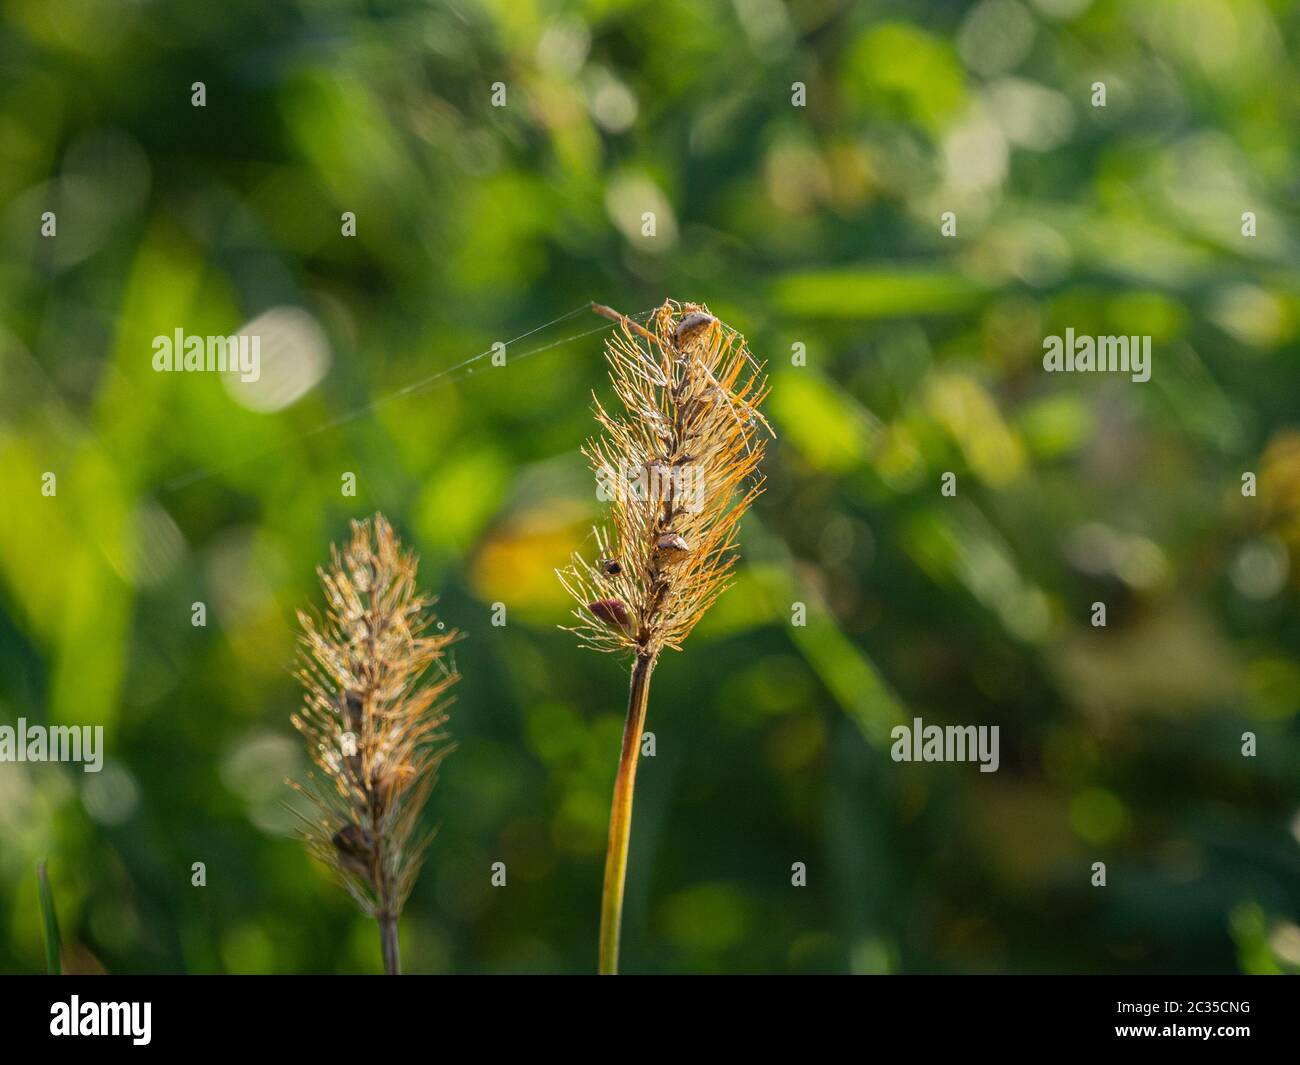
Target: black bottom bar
[(363, 1014)]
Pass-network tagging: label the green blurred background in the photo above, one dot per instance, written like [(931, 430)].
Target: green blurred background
[(815, 225)]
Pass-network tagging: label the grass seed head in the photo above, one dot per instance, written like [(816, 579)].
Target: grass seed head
[(679, 457), (372, 716)]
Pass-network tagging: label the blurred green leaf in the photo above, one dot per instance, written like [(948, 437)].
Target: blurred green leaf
[(53, 944), (875, 293)]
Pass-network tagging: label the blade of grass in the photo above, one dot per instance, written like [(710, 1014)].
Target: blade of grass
[(52, 963)]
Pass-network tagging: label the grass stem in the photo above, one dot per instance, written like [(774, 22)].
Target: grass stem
[(388, 940), (620, 816)]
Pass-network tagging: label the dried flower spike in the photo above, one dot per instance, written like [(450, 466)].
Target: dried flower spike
[(373, 722), (679, 462)]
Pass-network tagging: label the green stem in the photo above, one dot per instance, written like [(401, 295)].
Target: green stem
[(620, 816)]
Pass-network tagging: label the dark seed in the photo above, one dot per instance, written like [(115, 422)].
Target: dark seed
[(612, 612), (355, 849), (353, 839)]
